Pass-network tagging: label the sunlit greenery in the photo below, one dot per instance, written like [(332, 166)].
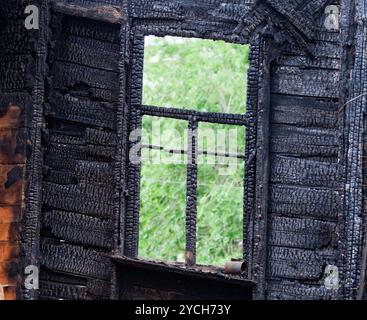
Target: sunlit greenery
[(202, 75)]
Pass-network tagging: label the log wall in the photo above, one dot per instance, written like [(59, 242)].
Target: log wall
[(18, 62), (305, 196), (60, 196), (78, 217)]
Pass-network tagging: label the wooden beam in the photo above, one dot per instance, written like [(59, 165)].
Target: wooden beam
[(110, 14)]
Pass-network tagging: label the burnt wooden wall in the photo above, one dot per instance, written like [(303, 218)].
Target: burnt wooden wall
[(354, 106), (78, 211), (20, 96), (315, 212), (305, 185)]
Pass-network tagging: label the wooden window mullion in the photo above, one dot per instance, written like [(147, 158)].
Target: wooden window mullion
[(191, 195)]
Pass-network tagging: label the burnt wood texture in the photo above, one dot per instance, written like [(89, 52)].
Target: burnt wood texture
[(22, 66), (71, 94), (80, 139)]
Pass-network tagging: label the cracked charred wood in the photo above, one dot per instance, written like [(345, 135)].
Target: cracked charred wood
[(303, 172), (15, 120), (78, 228), (305, 111), (102, 13), (76, 260), (304, 142), (71, 93), (79, 198), (299, 264), (304, 202), (302, 233)]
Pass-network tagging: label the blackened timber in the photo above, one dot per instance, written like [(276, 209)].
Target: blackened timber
[(303, 172), (304, 141), (131, 191), (90, 200), (76, 260), (305, 82), (81, 110), (31, 224), (191, 193), (250, 182), (87, 52), (201, 152), (260, 252), (304, 111), (81, 229), (296, 201), (306, 62), (102, 13), (294, 290), (300, 264), (302, 233), (93, 288), (68, 75), (88, 29), (355, 223), (186, 114), (62, 291)]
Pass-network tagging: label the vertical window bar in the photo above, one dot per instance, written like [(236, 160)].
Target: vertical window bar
[(191, 209)]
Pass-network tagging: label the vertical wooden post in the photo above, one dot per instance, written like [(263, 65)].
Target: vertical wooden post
[(191, 195)]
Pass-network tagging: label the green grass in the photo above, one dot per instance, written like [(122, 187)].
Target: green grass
[(206, 76)]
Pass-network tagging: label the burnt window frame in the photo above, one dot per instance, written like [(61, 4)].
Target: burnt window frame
[(257, 126)]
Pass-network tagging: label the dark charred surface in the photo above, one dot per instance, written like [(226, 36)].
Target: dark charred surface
[(12, 159), (80, 144), (17, 67), (69, 198), (153, 280)]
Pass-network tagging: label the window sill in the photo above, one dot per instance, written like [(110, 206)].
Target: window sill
[(203, 272)]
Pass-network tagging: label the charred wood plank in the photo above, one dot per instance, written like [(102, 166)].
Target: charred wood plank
[(80, 229), (304, 111), (293, 290), (86, 28), (293, 140), (94, 288), (80, 168), (102, 13), (101, 137), (81, 110), (87, 52), (69, 75), (321, 49), (305, 82), (76, 260), (292, 201), (16, 73), (300, 264), (306, 62), (62, 291), (65, 177), (294, 171), (89, 200), (302, 233)]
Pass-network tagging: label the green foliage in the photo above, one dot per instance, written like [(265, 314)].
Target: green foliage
[(206, 76)]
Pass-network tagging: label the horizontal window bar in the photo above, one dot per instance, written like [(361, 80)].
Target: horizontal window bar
[(184, 114), (200, 152)]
